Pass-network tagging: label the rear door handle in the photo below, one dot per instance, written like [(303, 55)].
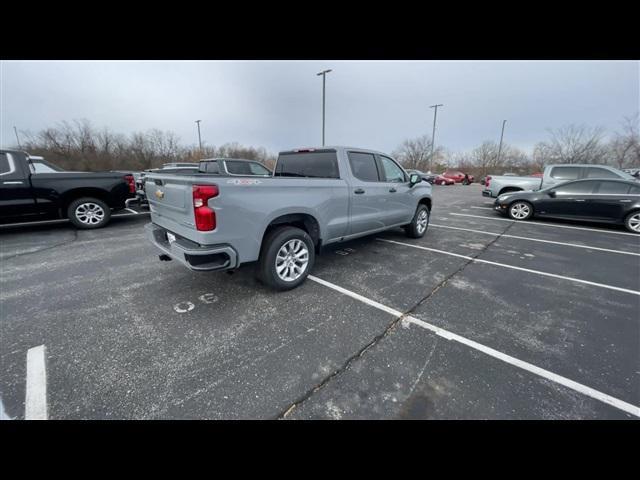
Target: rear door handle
[(392, 190), (358, 191), (625, 201), (12, 183), (579, 200)]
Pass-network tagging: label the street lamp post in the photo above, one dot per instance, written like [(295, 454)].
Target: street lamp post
[(17, 139), (500, 147), (199, 138), (433, 135), (324, 81)]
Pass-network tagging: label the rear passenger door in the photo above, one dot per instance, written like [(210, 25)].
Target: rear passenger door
[(399, 208), (16, 196), (609, 201), (368, 193)]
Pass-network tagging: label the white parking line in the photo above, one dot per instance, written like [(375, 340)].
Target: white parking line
[(63, 220), (536, 240), (132, 211), (545, 224), (578, 387), (482, 208), (513, 267), (35, 405)]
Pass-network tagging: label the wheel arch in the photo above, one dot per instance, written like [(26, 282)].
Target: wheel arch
[(302, 220)]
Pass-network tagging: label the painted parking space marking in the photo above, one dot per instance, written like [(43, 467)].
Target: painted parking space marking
[(35, 405), (623, 252), (542, 224), (132, 211), (482, 208), (541, 372), (513, 267)]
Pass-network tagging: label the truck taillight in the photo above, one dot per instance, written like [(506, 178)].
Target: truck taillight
[(205, 216), (487, 180), (131, 182)]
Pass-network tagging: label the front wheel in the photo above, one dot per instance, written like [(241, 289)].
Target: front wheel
[(88, 213), (632, 222), (286, 259), (418, 226), (520, 210)]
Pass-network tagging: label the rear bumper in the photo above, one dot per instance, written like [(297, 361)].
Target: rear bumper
[(487, 193), (190, 254)]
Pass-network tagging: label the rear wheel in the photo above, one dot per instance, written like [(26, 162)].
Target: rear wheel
[(88, 213), (632, 222), (286, 259), (520, 210), (418, 226)]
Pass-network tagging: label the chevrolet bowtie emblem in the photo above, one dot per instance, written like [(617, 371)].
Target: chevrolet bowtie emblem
[(159, 194)]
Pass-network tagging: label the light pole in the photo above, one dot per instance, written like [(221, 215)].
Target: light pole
[(433, 135), (199, 138), (324, 81), (17, 139), (500, 147)]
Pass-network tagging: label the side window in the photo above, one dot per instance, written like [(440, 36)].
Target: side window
[(634, 190), (258, 169), (392, 172), (595, 172), (613, 188), (42, 168), (576, 188), (565, 173), (210, 167), (363, 166), (5, 166)]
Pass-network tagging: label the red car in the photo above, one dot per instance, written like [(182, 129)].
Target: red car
[(457, 177), (442, 180)]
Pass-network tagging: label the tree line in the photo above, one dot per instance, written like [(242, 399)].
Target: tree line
[(78, 145), (568, 144)]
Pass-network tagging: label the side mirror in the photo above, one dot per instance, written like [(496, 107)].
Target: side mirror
[(414, 178), (552, 193)]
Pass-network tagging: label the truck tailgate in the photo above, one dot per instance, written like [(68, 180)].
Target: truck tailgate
[(170, 197)]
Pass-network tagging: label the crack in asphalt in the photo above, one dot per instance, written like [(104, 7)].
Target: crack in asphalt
[(347, 364), (50, 247)]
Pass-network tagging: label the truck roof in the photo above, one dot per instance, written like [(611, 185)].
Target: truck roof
[(333, 147)]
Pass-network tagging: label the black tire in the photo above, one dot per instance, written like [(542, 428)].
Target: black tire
[(88, 213), (271, 245), (414, 229), (525, 208), (631, 221)]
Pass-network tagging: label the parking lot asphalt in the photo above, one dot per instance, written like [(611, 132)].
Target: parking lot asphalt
[(481, 318)]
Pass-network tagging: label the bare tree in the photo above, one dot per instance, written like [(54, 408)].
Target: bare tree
[(415, 153), (574, 144), (624, 147)]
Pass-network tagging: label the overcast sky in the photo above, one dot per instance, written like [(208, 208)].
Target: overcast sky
[(278, 104)]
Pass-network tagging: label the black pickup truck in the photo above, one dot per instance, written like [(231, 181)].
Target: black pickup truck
[(33, 189)]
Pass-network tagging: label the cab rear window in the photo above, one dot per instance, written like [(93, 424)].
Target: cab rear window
[(310, 164)]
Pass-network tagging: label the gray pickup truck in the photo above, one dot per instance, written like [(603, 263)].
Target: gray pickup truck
[(316, 196), (497, 185)]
